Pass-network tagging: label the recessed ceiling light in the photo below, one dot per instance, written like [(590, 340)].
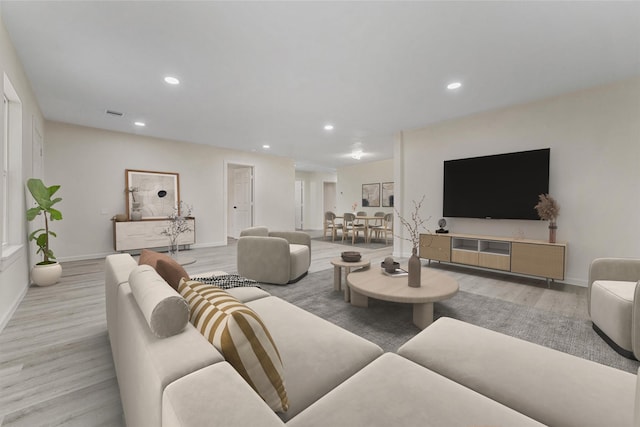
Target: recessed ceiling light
[(141, 124), (266, 146), (328, 127), (454, 85), (171, 80), (356, 155)]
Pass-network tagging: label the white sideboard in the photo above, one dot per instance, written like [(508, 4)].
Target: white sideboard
[(135, 235)]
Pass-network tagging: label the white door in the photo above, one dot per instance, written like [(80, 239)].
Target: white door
[(299, 205), (329, 198), (241, 199)]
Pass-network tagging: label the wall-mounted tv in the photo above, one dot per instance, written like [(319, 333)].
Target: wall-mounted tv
[(502, 186)]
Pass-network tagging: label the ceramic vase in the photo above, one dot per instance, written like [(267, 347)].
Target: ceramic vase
[(415, 267), (46, 274), (552, 231)]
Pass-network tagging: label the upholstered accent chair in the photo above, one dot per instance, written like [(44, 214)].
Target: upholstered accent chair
[(614, 303), (277, 257)]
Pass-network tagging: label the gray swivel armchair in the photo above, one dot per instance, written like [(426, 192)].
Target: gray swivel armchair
[(614, 303), (276, 257)]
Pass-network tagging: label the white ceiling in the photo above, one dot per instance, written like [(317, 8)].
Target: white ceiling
[(275, 73)]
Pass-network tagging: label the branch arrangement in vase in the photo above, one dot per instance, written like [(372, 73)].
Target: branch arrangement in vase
[(178, 223), (414, 225)]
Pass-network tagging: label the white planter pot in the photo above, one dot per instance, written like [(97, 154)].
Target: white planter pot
[(47, 274)]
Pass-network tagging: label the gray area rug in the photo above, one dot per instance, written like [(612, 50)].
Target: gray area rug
[(390, 324)]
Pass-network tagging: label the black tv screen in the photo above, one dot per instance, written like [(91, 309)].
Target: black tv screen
[(502, 186)]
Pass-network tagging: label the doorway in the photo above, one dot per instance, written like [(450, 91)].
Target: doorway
[(239, 199), (299, 200), (329, 197)]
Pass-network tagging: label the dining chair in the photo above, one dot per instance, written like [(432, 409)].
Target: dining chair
[(351, 226), (386, 228), (375, 224), (330, 225)]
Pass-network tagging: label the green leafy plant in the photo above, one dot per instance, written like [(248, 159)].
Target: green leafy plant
[(42, 196)]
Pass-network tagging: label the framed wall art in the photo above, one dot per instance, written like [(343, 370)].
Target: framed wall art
[(387, 194), (151, 195), (370, 195)]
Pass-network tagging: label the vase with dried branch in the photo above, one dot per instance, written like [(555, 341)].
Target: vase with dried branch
[(548, 210), (414, 226), (178, 224)]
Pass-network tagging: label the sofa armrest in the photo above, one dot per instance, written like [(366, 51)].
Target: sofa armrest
[(293, 237), (146, 364), (622, 269), (265, 259)]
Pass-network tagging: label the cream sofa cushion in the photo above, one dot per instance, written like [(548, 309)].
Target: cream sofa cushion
[(165, 311), (553, 387), (392, 391), (215, 395), (316, 354)]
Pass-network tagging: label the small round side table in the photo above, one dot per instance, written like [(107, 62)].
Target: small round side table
[(338, 265)]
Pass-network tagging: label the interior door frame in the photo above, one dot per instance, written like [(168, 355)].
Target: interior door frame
[(228, 165)]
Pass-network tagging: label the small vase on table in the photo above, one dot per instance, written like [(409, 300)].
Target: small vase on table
[(415, 267), (552, 231)]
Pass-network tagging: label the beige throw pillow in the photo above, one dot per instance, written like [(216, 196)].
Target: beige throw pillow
[(239, 333)]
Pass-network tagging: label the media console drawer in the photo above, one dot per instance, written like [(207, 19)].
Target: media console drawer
[(436, 247), (461, 256), (538, 260)]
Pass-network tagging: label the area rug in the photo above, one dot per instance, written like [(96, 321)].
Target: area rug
[(390, 324)]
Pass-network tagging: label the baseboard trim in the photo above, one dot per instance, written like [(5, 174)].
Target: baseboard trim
[(4, 321)]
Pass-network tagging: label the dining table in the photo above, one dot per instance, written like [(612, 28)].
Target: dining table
[(369, 222)]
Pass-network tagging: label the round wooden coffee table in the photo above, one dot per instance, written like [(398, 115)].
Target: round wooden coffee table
[(373, 283), (338, 265)]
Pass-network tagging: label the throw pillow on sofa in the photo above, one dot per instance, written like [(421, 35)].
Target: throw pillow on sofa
[(166, 312), (240, 335), (166, 266)]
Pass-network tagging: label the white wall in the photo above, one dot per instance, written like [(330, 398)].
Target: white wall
[(14, 271), (351, 178), (90, 166), (594, 136)]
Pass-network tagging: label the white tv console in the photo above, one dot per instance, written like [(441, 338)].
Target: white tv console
[(520, 256)]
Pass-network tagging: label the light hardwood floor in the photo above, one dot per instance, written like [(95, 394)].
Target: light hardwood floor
[(55, 358)]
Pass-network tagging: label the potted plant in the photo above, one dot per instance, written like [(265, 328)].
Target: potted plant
[(48, 271)]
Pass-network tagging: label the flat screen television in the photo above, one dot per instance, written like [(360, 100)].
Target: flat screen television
[(502, 186)]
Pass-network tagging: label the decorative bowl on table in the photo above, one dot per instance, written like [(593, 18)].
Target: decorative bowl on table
[(351, 256), (390, 268)]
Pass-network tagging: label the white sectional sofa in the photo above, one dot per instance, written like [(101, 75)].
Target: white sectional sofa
[(451, 374)]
